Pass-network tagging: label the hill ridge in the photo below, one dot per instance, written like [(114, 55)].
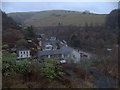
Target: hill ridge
[(53, 17)]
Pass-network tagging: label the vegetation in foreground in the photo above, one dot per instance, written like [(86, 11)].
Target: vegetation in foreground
[(50, 74), (29, 70)]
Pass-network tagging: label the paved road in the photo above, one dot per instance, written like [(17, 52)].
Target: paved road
[(103, 81)]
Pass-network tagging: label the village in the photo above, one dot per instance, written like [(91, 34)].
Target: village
[(49, 47), (45, 46)]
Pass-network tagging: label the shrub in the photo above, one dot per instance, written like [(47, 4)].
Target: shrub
[(8, 63), (23, 67), (51, 69), (95, 62), (5, 46)]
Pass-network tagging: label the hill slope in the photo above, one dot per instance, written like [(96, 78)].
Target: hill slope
[(58, 17), (10, 31)]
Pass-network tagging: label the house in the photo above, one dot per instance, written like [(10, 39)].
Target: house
[(29, 41), (109, 49), (23, 52), (48, 47), (64, 41), (65, 52), (39, 39), (52, 38), (40, 43)]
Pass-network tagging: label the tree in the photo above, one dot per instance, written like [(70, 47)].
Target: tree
[(31, 33), (112, 19), (5, 46), (51, 69), (6, 20), (75, 42), (22, 42), (8, 63), (119, 37)]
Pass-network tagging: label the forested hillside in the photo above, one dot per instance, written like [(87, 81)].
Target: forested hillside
[(11, 31), (88, 36)]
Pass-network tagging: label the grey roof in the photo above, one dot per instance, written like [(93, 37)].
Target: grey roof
[(66, 50), (22, 48), (63, 50)]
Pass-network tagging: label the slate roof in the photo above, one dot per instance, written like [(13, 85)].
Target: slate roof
[(66, 50), (63, 50), (22, 48)]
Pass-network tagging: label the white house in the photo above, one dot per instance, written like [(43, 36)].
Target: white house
[(23, 52), (40, 43)]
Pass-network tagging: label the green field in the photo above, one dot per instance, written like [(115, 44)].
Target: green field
[(54, 17)]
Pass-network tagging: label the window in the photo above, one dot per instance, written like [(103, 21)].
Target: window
[(21, 56), (24, 52), (21, 52)]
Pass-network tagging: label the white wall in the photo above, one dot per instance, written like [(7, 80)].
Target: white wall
[(73, 57), (24, 54)]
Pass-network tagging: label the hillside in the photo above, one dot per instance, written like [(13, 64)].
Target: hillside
[(10, 31), (58, 17)]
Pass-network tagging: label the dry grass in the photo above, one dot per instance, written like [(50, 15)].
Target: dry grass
[(110, 68), (17, 81), (84, 75), (87, 84), (74, 83), (56, 84), (49, 18), (77, 20)]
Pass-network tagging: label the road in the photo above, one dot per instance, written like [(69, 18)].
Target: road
[(101, 82)]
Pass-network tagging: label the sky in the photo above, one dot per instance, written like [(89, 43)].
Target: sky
[(94, 7)]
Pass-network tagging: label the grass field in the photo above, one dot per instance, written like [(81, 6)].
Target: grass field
[(54, 17)]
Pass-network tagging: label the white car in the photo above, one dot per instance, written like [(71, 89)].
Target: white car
[(63, 61)]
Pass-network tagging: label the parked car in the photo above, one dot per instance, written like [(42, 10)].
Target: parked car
[(63, 61), (85, 55), (81, 53)]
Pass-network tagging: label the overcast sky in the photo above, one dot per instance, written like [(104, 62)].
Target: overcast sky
[(95, 7)]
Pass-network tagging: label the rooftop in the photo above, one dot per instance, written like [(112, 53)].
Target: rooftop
[(22, 48), (63, 50)]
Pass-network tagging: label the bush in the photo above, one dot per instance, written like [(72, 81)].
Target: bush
[(8, 63), (75, 42), (5, 46), (51, 69), (95, 62), (23, 67)]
